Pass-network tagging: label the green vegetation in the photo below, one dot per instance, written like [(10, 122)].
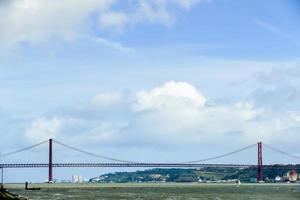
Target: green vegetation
[(154, 191), (207, 174), (270, 172)]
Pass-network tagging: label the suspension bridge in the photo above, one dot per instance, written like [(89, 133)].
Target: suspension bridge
[(114, 162)]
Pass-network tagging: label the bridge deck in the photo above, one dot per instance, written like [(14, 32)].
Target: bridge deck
[(44, 165)]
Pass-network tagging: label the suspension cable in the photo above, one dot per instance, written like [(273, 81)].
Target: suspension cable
[(282, 152), (126, 161), (93, 154), (23, 149), (221, 156)]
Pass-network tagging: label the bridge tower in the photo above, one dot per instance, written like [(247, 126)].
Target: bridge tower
[(50, 178), (260, 163)]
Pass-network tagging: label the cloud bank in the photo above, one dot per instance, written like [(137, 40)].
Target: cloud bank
[(37, 21), (172, 114)]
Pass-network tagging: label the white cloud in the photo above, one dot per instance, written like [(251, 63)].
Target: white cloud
[(170, 94), (174, 113), (98, 121), (39, 20), (73, 130), (36, 21), (276, 89), (189, 124), (113, 19), (107, 99), (146, 11), (113, 45), (187, 4), (43, 129)]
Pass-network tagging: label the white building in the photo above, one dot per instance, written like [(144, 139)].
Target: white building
[(278, 179), (77, 179)]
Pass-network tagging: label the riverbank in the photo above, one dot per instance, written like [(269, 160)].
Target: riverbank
[(153, 191), (122, 185), (6, 195)]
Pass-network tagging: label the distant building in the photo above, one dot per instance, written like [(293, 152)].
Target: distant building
[(77, 179), (155, 176), (291, 176), (278, 179)]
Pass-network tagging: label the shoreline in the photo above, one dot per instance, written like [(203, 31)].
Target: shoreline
[(136, 185)]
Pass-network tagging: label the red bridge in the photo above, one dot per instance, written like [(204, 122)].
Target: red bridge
[(126, 163)]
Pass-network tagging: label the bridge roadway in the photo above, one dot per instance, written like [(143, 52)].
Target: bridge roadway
[(179, 165)]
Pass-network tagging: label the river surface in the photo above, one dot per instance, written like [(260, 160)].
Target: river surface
[(161, 191)]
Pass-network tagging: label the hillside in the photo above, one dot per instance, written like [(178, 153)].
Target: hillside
[(194, 175)]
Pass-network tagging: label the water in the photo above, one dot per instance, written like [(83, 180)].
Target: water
[(162, 191)]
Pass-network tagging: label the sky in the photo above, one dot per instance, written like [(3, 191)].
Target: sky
[(148, 80)]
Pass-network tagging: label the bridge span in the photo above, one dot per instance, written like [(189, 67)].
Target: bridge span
[(114, 162), (179, 165)]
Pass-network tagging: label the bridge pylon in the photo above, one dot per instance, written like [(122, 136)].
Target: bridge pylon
[(259, 163), (50, 177)]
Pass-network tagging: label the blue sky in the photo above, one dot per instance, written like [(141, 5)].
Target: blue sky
[(149, 80)]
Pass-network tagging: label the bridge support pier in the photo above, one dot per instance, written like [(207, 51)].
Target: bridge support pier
[(2, 176), (50, 178), (260, 163)]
